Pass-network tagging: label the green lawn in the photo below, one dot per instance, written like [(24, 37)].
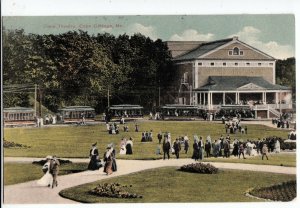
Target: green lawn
[(283, 159), (22, 172), (170, 185), (75, 141)]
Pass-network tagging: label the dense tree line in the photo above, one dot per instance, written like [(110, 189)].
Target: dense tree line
[(75, 68), (286, 73)]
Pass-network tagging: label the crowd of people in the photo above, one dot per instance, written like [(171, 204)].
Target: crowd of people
[(112, 128), (281, 123), (234, 126), (147, 136), (221, 147)]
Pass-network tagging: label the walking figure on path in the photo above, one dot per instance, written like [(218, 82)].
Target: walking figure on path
[(264, 152), (54, 168)]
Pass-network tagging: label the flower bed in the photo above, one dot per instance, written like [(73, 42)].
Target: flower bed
[(8, 144), (280, 192), (199, 168), (114, 190)]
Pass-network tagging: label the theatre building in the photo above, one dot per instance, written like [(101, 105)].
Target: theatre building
[(228, 72)]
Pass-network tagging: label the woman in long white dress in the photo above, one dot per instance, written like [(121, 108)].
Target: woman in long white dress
[(123, 147), (47, 179), (277, 147)]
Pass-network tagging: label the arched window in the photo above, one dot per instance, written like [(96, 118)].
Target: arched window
[(236, 51)]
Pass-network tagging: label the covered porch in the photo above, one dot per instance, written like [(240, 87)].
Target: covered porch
[(254, 92)]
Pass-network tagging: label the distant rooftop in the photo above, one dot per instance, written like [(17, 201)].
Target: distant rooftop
[(203, 48), (178, 48), (216, 83)]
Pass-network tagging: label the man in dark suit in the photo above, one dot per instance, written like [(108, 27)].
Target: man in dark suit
[(166, 148), (54, 168), (177, 148)]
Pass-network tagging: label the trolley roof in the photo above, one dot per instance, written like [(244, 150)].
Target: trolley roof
[(77, 108), (17, 110), (180, 106), (125, 107)]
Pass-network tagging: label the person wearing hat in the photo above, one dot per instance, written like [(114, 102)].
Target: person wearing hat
[(54, 168), (108, 159), (94, 157), (177, 148), (129, 145), (47, 178), (264, 152)]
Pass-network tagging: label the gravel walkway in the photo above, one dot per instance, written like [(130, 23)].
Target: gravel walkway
[(30, 193)]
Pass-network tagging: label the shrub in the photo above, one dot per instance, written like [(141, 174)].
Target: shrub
[(281, 192), (42, 162), (114, 190), (199, 168), (8, 144)]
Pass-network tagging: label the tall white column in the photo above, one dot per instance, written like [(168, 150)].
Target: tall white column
[(208, 99), (265, 97)]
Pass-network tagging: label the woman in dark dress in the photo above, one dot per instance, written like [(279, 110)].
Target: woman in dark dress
[(94, 160), (235, 150), (110, 160), (195, 150), (129, 145)]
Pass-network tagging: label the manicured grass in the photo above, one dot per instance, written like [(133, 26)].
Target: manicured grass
[(283, 159), (75, 141), (22, 172), (170, 185)]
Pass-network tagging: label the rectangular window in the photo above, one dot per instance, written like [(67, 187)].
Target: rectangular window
[(271, 64), (230, 53), (224, 63), (236, 64), (248, 64), (241, 53), (259, 64), (200, 64), (212, 63)]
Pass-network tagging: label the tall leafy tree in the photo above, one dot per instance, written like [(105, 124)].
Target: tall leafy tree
[(286, 73)]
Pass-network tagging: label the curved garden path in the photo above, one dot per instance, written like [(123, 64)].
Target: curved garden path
[(30, 193)]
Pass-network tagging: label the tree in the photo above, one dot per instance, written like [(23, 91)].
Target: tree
[(286, 73)]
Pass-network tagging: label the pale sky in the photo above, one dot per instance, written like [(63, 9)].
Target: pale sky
[(273, 34)]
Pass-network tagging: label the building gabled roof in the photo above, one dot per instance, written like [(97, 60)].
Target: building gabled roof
[(228, 83), (178, 48), (203, 49), (209, 47)]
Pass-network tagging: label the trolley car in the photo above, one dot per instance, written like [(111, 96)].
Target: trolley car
[(126, 111), (77, 114), (18, 116), (177, 111)]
